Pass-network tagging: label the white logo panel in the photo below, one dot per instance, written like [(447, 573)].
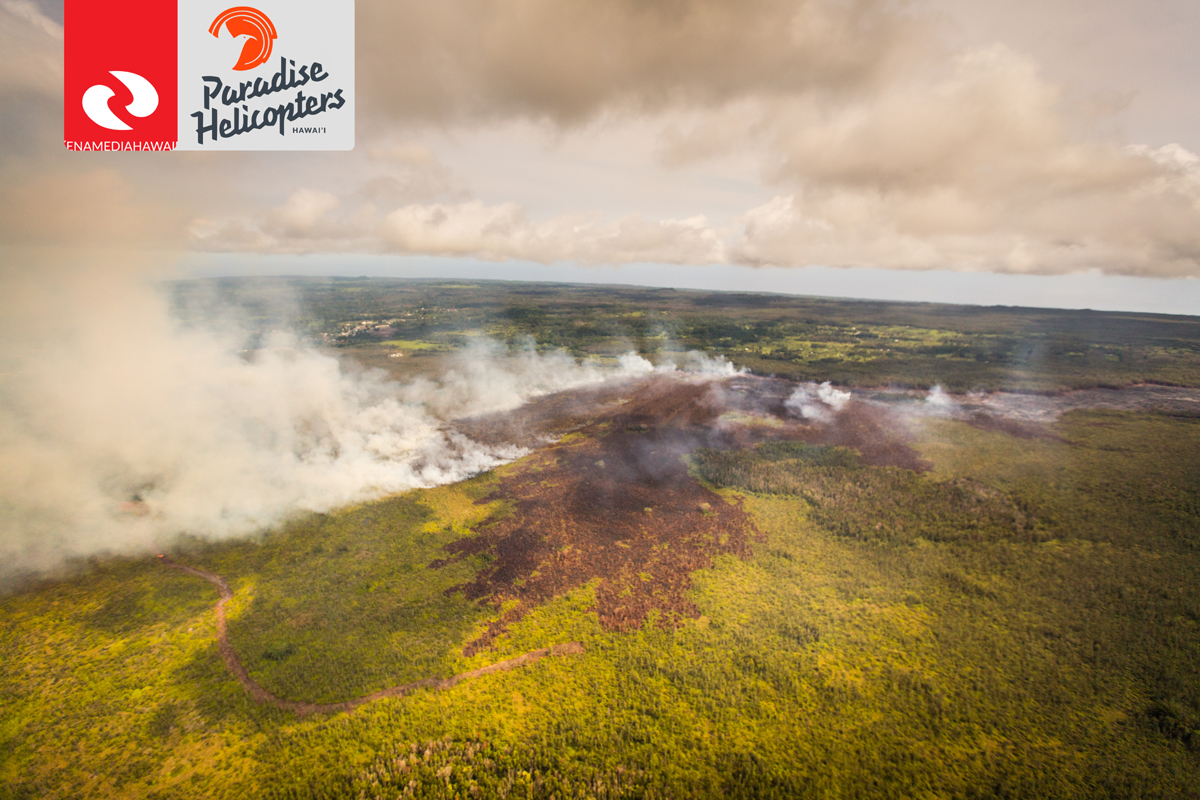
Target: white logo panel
[(277, 75)]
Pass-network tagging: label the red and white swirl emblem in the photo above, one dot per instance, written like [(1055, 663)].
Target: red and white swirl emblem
[(247, 21)]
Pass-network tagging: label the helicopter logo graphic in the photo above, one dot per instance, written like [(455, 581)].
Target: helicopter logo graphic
[(252, 23)]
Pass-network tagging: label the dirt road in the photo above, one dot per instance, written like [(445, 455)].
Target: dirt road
[(261, 695)]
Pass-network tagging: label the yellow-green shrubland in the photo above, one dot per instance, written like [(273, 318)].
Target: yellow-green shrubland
[(1059, 659)]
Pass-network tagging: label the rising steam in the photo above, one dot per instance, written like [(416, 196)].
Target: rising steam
[(817, 403)]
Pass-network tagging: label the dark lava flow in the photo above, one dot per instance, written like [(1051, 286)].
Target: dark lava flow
[(614, 501)]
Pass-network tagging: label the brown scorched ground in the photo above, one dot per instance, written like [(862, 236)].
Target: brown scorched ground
[(614, 501)]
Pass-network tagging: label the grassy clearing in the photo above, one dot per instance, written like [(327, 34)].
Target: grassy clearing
[(412, 344), (342, 605)]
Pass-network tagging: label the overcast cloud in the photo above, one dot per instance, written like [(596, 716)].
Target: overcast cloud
[(870, 133)]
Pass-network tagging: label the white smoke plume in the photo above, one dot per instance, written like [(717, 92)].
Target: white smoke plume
[(635, 364), (488, 378), (120, 429), (817, 403), (940, 402), (702, 365)]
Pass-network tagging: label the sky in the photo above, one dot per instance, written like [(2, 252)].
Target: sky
[(985, 152)]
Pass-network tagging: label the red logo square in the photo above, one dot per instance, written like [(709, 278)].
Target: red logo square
[(120, 74)]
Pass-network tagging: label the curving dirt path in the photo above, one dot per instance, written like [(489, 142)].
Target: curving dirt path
[(261, 695)]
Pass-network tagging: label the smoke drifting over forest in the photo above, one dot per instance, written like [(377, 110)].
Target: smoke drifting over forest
[(121, 428)]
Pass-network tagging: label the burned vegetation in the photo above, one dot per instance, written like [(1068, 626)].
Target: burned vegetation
[(613, 502)]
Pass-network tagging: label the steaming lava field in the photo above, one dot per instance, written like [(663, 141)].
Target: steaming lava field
[(854, 551), (616, 503)]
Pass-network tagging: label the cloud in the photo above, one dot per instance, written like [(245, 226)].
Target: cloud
[(974, 168), (505, 231), (1130, 211), (569, 60), (303, 212), (408, 172), (97, 206), (32, 47), (498, 232), (49, 197), (1051, 205), (405, 153), (883, 147)]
